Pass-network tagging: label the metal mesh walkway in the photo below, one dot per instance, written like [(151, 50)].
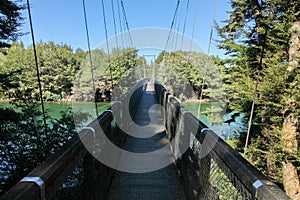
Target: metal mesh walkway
[(160, 184)]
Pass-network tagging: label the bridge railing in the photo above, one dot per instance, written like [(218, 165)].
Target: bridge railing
[(210, 168), (72, 172)]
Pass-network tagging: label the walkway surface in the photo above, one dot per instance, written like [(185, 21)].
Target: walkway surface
[(163, 183)]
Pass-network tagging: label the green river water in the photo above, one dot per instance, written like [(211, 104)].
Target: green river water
[(54, 110)]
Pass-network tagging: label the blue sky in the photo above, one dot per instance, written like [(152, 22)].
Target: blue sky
[(62, 21)]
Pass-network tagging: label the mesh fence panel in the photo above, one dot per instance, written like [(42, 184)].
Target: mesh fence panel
[(219, 181), (90, 179), (72, 187)]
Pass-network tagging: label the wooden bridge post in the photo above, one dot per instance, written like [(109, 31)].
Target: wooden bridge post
[(204, 160), (165, 104), (97, 176), (187, 163)]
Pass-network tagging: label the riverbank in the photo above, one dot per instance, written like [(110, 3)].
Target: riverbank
[(55, 109)]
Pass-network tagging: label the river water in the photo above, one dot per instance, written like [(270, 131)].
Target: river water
[(222, 129), (54, 110)]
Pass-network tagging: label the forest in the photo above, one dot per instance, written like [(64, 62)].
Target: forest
[(65, 76), (260, 75), (60, 68), (262, 41)]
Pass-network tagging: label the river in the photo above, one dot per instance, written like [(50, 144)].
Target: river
[(54, 110), (223, 129)]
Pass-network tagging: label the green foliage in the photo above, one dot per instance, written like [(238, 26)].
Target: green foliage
[(254, 26), (191, 75), (106, 72), (57, 63), (24, 143), (188, 68), (121, 66), (10, 20), (64, 74), (222, 185)]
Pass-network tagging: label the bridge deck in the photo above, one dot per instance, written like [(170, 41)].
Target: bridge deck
[(160, 184)]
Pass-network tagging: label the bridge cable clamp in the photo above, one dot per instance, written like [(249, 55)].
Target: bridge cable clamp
[(38, 181), (205, 129), (171, 147), (184, 112), (91, 129), (190, 159), (256, 185), (110, 110)]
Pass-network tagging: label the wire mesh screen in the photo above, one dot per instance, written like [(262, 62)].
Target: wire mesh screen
[(90, 179), (72, 188), (216, 179), (222, 173)]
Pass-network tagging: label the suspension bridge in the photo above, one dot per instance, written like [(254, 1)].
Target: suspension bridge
[(190, 161), (220, 174)]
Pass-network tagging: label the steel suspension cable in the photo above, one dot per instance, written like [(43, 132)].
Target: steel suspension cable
[(208, 53), (128, 29), (115, 25), (38, 72), (106, 38), (174, 39), (255, 91), (126, 22), (169, 34), (194, 24), (172, 24), (184, 24), (90, 54), (120, 24), (178, 23), (125, 32)]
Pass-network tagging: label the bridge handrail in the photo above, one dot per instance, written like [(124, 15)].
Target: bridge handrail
[(257, 185), (46, 178)]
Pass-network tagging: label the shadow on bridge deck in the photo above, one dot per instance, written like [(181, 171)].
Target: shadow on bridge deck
[(222, 174), (160, 184)]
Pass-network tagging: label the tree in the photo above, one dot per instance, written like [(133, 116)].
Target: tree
[(191, 68), (262, 39), (193, 75), (58, 66), (25, 142), (291, 111), (10, 20), (13, 70), (106, 73)]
